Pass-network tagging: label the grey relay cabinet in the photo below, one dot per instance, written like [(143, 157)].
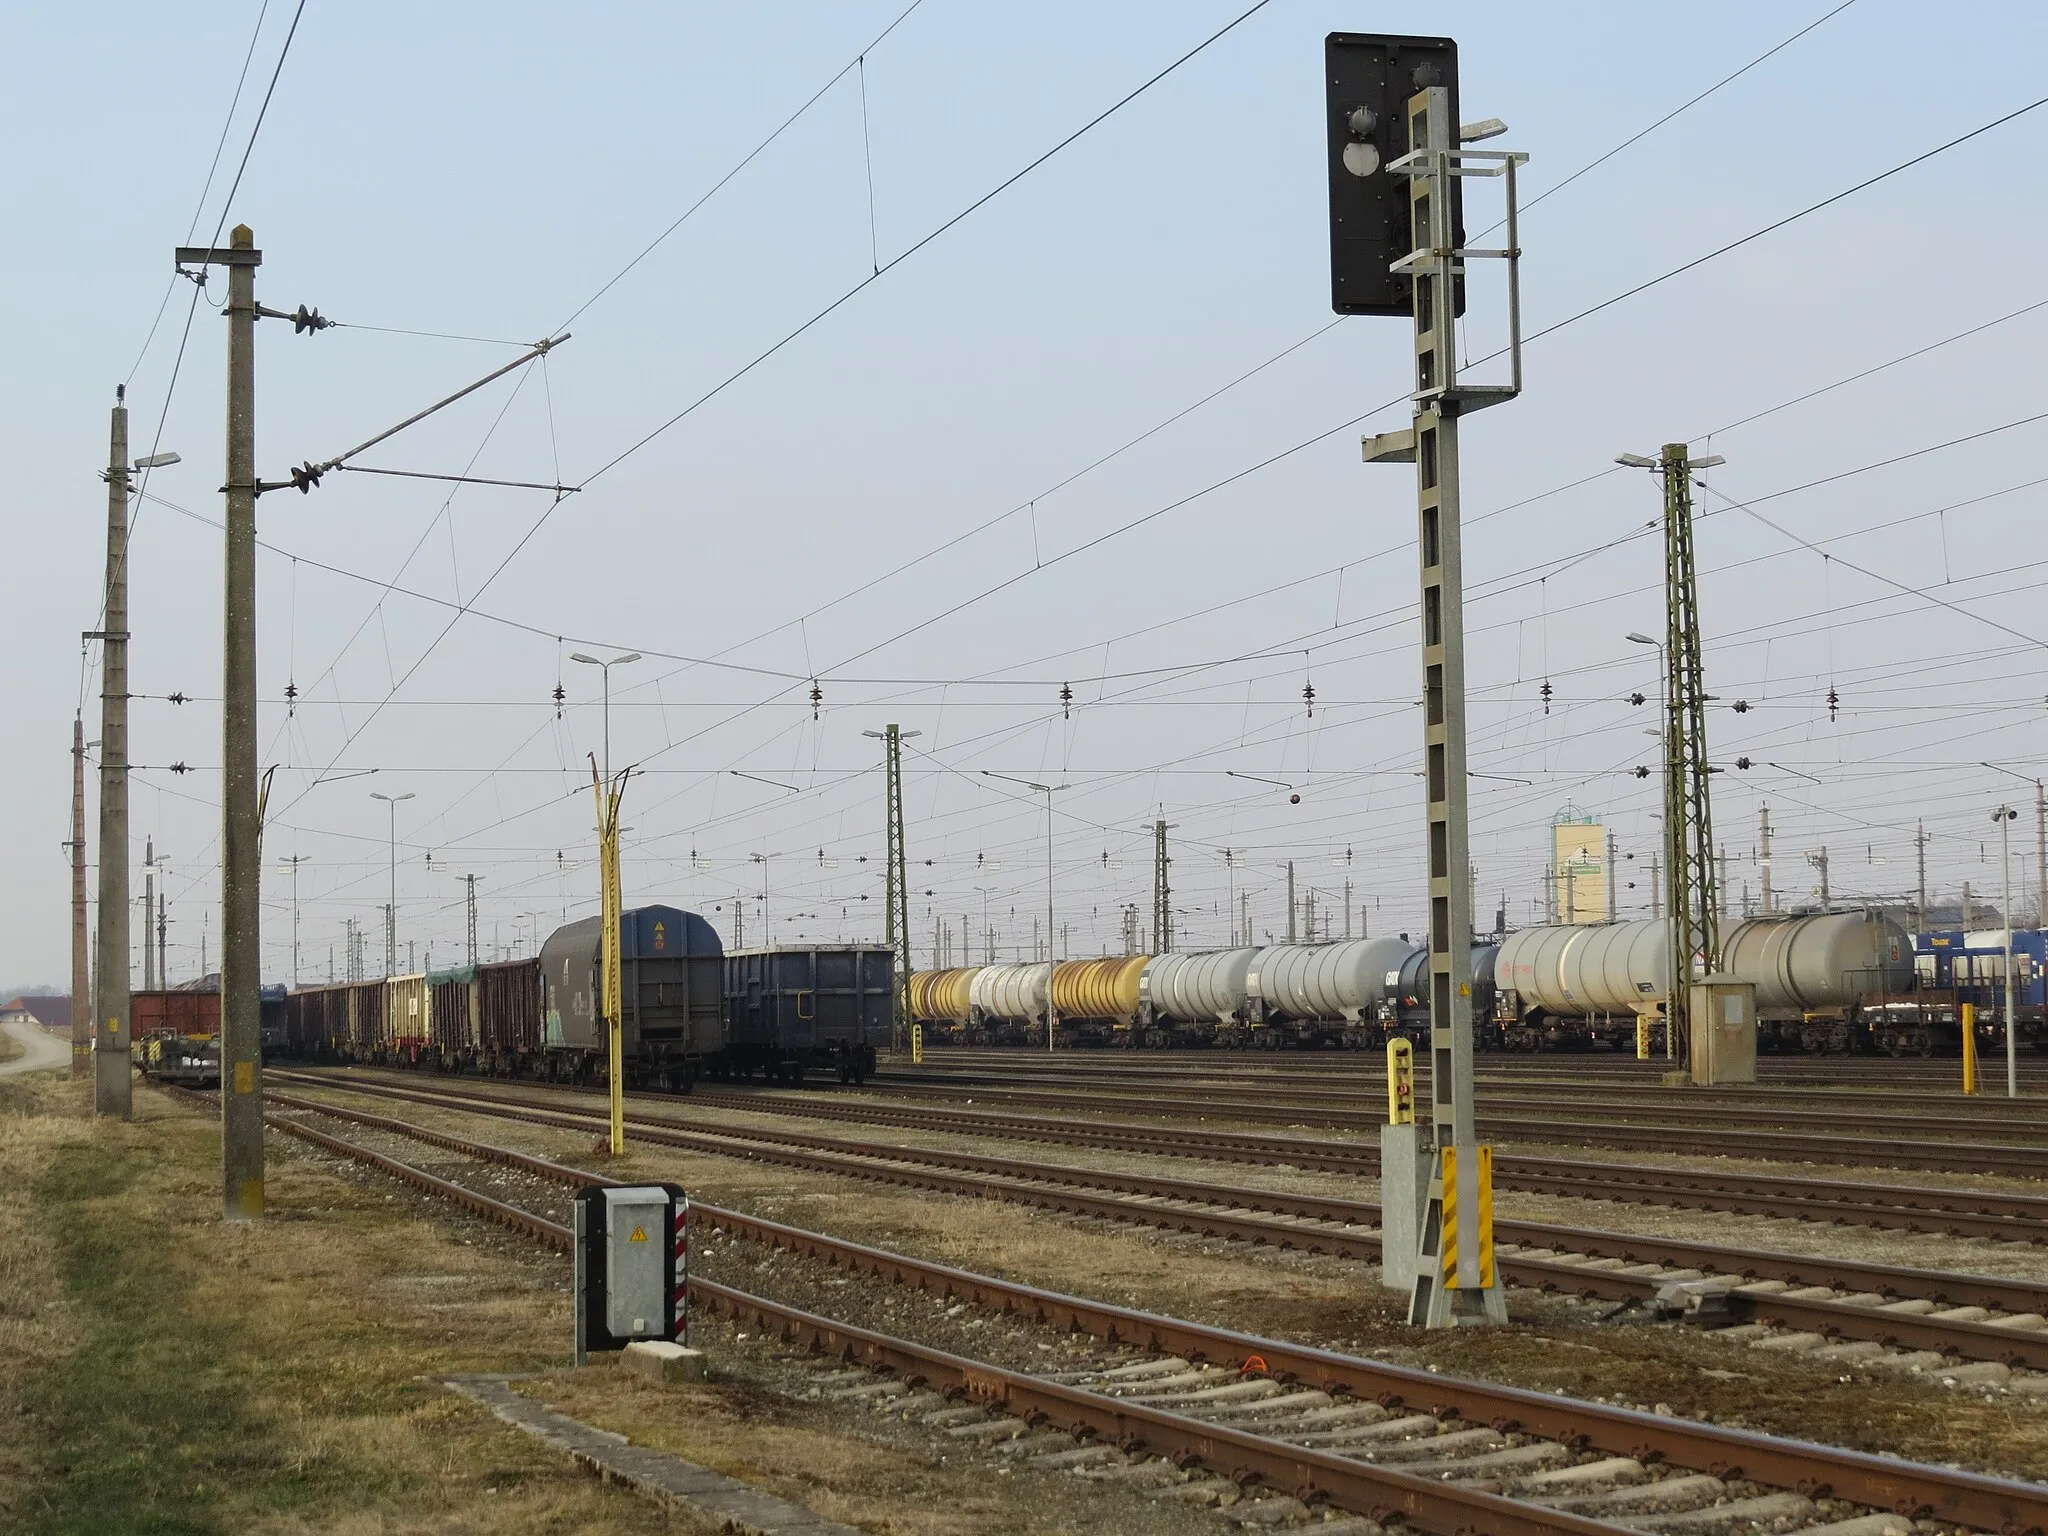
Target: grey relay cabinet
[(632, 1266)]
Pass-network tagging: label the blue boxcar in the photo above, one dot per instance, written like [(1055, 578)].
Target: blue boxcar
[(808, 1005)]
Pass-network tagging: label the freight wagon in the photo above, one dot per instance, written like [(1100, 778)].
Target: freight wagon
[(193, 1012), (789, 1008), (688, 1010), (1825, 982), (671, 995), (173, 1013)]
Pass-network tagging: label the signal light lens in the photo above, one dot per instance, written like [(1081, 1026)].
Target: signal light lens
[(1361, 159)]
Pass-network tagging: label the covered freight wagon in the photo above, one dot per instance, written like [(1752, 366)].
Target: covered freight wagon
[(671, 985), (409, 1015), (510, 1033), (794, 1006), (452, 1024)]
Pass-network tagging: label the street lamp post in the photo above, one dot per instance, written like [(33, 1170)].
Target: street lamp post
[(1052, 1012), (1674, 846), (616, 661), (391, 911), (2005, 815)]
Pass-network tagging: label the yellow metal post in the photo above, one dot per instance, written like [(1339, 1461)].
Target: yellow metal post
[(1969, 1047), (1642, 1037), (611, 1002), (1400, 1082), (916, 1044)]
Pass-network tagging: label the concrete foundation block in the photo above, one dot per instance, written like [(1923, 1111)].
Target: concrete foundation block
[(665, 1362)]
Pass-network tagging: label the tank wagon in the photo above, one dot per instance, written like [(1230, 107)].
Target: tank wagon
[(1097, 1000), (1006, 1003), (1321, 994), (1405, 1011), (1344, 993), (939, 1001), (1828, 981), (1188, 998), (689, 1009)]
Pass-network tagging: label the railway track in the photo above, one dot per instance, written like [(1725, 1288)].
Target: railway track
[(1365, 1089), (1823, 1071), (1931, 1318), (1441, 1453), (1909, 1208), (1885, 1145)]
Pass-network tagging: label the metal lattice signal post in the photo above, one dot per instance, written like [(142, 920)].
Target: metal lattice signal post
[(1691, 884), (1162, 891), (896, 883), (469, 885), (1393, 111)]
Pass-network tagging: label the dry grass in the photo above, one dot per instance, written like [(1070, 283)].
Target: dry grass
[(1339, 1304), (169, 1373)]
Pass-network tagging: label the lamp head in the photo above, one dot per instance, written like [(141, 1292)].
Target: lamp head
[(1639, 639), (1634, 461)]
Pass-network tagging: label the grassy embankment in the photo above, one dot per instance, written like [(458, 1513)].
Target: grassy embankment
[(163, 1372)]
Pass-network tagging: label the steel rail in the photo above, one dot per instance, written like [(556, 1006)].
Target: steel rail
[(1704, 1133), (1383, 1493), (1920, 1491), (1928, 1156), (1065, 1191), (1367, 1090), (1947, 1287), (1945, 1211)]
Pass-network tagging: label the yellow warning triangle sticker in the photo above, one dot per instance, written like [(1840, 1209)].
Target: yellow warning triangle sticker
[(639, 1235)]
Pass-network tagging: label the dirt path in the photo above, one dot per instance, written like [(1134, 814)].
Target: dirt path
[(41, 1050)]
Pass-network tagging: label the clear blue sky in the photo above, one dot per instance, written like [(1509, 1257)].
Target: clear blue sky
[(484, 170)]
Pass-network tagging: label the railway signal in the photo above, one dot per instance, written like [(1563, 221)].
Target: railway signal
[(1371, 78), (1398, 158)]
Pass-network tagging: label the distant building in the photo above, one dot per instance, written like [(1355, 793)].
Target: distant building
[(50, 1012), (1578, 868)]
